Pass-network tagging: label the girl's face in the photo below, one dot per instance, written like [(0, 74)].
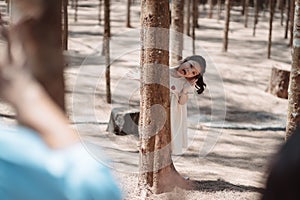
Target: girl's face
[(189, 69)]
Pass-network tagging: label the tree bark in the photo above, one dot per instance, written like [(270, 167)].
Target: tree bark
[(157, 172), (106, 48), (41, 37), (177, 31), (288, 16), (272, 8), (226, 29), (293, 116)]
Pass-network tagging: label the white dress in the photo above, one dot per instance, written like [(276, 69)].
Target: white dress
[(178, 117)]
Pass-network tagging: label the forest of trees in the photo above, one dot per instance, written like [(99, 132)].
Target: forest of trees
[(45, 38)]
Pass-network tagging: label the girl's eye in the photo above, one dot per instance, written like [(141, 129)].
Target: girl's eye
[(194, 73)]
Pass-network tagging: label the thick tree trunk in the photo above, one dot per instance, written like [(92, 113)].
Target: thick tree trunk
[(106, 48), (293, 116), (177, 31), (128, 14), (226, 29), (272, 8), (157, 172), (41, 36)]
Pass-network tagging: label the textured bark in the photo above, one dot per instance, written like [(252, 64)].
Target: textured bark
[(272, 8), (106, 48), (157, 172), (177, 31), (293, 116), (279, 82), (41, 37), (226, 29)]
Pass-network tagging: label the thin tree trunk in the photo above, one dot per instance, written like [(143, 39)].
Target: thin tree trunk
[(66, 25), (195, 19), (106, 48), (211, 7), (281, 8), (157, 172), (293, 116), (188, 17), (226, 29), (196, 13), (41, 37), (99, 12), (292, 12), (288, 9), (177, 31), (76, 11), (246, 13), (219, 9), (128, 14), (272, 8), (255, 16), (243, 7)]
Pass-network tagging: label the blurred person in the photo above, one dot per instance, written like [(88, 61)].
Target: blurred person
[(42, 158), (284, 177)]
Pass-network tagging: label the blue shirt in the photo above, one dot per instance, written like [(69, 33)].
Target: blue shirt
[(30, 170)]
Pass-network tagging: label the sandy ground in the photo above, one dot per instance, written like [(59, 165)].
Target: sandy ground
[(234, 127)]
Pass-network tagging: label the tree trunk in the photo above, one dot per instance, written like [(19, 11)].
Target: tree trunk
[(76, 11), (272, 8), (256, 9), (281, 8), (41, 37), (99, 12), (226, 29), (128, 14), (293, 116), (188, 17), (157, 172), (106, 48), (288, 16), (66, 25), (177, 31), (246, 13), (243, 7), (195, 19), (211, 7), (292, 12)]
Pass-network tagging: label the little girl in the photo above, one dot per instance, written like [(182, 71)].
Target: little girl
[(189, 73)]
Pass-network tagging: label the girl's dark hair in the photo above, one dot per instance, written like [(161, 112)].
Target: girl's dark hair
[(200, 85)]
